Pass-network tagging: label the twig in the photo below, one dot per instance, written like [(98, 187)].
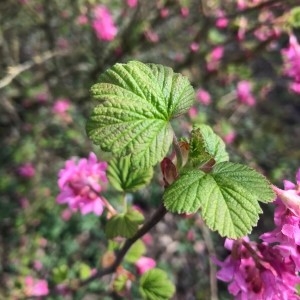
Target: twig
[(155, 218), (14, 71), (211, 252)]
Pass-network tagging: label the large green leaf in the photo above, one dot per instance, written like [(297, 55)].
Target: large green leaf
[(124, 177), (206, 145), (136, 103), (124, 225), (228, 197), (155, 285)]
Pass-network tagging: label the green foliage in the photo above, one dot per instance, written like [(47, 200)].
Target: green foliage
[(124, 225), (124, 177), (135, 252), (155, 285), (227, 197), (206, 145), (136, 103), (295, 17)]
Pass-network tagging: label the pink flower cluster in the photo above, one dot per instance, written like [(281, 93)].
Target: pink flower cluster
[(268, 270), (35, 287), (145, 264), (244, 94), (291, 57), (80, 183), (26, 170), (103, 24)]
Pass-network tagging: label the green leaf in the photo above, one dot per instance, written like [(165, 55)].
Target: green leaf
[(228, 197), (136, 103), (119, 283), (124, 177), (155, 285), (205, 145), (135, 252), (84, 271), (124, 225)]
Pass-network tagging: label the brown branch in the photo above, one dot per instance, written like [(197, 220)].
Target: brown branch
[(14, 71)]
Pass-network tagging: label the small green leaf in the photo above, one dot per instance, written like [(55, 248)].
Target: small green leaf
[(205, 145), (228, 197), (124, 177), (155, 285), (124, 225), (135, 252), (84, 271), (119, 283), (136, 103)]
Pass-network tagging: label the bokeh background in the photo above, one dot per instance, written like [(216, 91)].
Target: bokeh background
[(52, 52)]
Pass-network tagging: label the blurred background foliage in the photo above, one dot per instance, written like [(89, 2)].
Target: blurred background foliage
[(50, 59)]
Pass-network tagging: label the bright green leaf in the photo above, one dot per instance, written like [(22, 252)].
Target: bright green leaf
[(135, 252), (124, 225), (205, 145), (155, 285), (119, 283), (124, 177), (135, 108), (84, 271), (228, 197)]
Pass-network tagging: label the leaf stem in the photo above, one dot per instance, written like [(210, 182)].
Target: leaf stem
[(177, 152)]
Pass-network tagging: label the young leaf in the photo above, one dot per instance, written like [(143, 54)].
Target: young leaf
[(135, 252), (205, 145), (124, 225), (155, 285), (124, 177), (228, 197), (134, 110)]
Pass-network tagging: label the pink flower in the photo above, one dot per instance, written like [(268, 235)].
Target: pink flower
[(194, 47), (229, 137), (291, 57), (193, 112), (61, 106), (257, 272), (203, 97), (295, 87), (80, 184), (164, 12), (184, 11), (82, 19), (35, 287), (26, 170), (222, 21), (145, 264), (214, 58), (151, 36), (103, 24), (244, 95), (132, 3)]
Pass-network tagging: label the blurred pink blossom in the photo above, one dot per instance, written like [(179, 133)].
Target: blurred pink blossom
[(203, 97), (295, 87), (37, 265), (193, 112), (26, 170), (222, 21), (214, 58), (194, 47), (145, 264), (151, 36), (103, 24), (243, 92), (82, 19), (229, 137), (291, 58), (42, 97), (61, 106), (35, 287), (132, 3), (80, 183), (164, 12), (147, 239), (184, 11), (66, 214)]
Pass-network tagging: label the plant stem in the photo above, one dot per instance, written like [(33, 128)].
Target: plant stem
[(155, 218)]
